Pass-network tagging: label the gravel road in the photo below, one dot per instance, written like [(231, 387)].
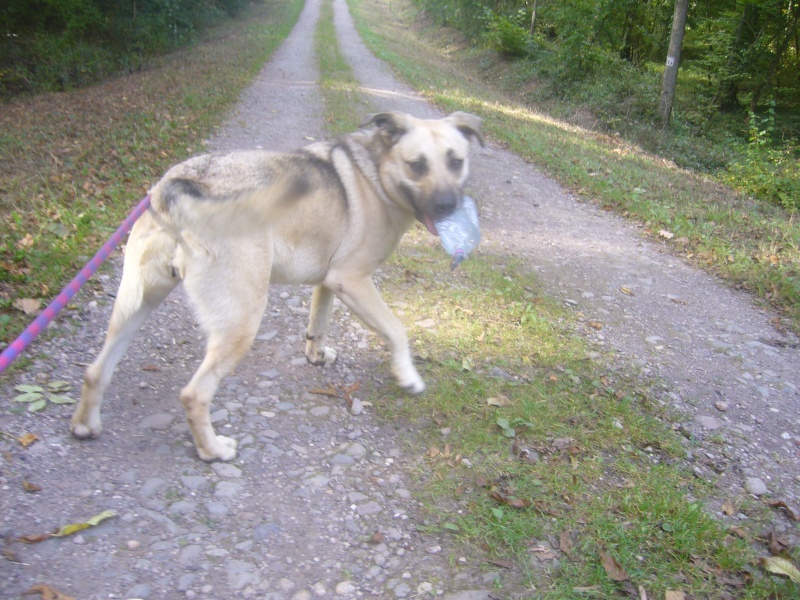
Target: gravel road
[(320, 502)]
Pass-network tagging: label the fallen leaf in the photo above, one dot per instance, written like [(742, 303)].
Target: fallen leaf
[(27, 305), (595, 325), (60, 399), (31, 487), (499, 400), (37, 405), (25, 242), (33, 538), (510, 500), (774, 544), (780, 566), (613, 569), (728, 508), (506, 564), (565, 542), (625, 290), (27, 439), (9, 555), (47, 592), (155, 368), (377, 538), (668, 235), (76, 527), (674, 595), (543, 553), (781, 504)]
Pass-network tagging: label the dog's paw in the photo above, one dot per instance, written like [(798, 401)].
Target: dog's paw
[(320, 359), (224, 450), (415, 388), (84, 431)]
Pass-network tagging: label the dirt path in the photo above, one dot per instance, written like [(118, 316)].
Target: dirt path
[(294, 516)]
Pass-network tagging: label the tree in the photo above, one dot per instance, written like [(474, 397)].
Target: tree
[(673, 61)]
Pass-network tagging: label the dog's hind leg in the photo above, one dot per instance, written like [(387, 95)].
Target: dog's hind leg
[(147, 279), (317, 353), (230, 295), (360, 294)]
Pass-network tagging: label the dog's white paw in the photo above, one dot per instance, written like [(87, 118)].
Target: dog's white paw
[(84, 431), (224, 450), (415, 388), (320, 359)]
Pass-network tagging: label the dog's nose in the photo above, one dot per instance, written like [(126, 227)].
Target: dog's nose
[(444, 204)]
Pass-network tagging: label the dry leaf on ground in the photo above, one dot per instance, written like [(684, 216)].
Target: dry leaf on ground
[(47, 592), (613, 569), (29, 306), (780, 566), (27, 439)]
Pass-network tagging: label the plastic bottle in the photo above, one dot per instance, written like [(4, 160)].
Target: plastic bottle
[(460, 232)]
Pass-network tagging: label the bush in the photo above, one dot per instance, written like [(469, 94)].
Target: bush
[(507, 35), (767, 170)]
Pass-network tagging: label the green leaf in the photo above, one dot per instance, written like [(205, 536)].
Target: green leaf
[(37, 406), (58, 399), (76, 527), (498, 513), (28, 397), (25, 389), (450, 527), (59, 386)]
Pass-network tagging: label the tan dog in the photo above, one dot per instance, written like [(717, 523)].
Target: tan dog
[(328, 215)]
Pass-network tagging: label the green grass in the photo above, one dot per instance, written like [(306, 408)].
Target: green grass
[(345, 109), (584, 447), (754, 245), (73, 165)]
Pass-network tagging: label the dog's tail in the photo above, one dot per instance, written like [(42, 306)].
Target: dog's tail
[(187, 204)]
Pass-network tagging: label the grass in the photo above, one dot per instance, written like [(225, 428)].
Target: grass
[(72, 165), (754, 245), (344, 106)]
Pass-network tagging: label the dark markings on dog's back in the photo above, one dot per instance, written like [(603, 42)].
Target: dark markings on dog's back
[(304, 162), (175, 188)]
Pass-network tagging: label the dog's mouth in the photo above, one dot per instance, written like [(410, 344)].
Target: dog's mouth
[(429, 223)]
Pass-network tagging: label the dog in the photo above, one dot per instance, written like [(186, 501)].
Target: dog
[(328, 215)]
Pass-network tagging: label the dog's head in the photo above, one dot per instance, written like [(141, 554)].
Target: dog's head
[(425, 163)]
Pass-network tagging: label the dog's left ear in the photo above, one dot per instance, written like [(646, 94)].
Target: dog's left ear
[(468, 124), (390, 124)]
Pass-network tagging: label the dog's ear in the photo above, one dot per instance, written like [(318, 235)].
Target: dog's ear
[(468, 124), (390, 125)]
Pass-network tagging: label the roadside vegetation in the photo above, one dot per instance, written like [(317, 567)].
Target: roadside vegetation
[(73, 164)]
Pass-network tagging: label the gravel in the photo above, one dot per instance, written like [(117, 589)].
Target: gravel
[(295, 516)]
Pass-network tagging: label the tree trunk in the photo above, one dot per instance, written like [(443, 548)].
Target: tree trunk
[(533, 15), (673, 61)]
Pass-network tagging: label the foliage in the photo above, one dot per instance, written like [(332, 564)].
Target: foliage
[(507, 34), (768, 170), (50, 45)]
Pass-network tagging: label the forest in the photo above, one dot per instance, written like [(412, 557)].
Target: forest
[(736, 112), (737, 105), (54, 45)]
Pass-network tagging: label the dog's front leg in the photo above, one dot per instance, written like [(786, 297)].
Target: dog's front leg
[(317, 353), (361, 296)]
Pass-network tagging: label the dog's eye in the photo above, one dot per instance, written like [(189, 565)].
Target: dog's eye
[(455, 164), (418, 167)]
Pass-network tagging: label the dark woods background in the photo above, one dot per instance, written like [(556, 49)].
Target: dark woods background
[(53, 45)]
